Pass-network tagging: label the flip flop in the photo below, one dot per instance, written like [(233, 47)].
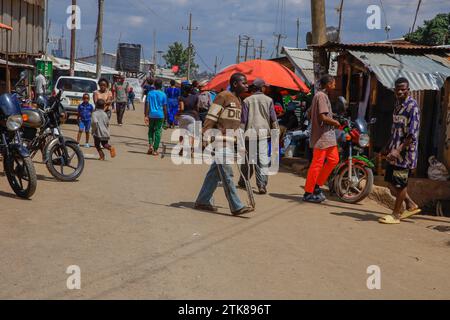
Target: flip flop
[(407, 214), (389, 219)]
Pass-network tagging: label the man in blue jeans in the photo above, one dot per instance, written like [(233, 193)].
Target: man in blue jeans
[(225, 113)]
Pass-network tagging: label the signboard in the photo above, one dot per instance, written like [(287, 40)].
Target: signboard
[(46, 67)]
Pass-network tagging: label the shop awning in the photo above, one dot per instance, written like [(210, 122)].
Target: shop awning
[(422, 72)]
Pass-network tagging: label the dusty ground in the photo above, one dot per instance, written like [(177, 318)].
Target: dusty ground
[(129, 224)]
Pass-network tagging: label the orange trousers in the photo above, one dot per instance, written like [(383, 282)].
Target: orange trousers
[(318, 172)]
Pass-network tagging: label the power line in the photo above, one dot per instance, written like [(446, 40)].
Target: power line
[(203, 61)]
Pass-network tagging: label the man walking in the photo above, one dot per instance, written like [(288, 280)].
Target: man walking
[(323, 141), (402, 152), (258, 115), (225, 113), (155, 115), (121, 98)]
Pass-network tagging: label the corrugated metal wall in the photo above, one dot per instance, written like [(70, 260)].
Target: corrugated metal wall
[(27, 19)]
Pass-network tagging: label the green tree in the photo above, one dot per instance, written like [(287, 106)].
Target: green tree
[(435, 32), (177, 55)]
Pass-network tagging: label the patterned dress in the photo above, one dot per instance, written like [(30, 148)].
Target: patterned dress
[(406, 123)]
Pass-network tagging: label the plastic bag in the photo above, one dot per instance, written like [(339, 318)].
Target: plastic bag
[(437, 170)]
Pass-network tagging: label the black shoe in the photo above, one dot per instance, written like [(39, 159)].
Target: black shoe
[(242, 211), (262, 190), (319, 193), (312, 198), (205, 207), (241, 186)]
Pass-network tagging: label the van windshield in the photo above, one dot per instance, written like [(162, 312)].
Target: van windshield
[(77, 85)]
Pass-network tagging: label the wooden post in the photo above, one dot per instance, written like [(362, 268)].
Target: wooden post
[(8, 76), (100, 38), (319, 37), (73, 40)]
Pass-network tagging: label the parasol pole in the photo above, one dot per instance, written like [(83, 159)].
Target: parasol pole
[(8, 76)]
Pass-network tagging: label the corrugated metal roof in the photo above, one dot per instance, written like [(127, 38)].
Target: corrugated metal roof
[(422, 72), (302, 59), (402, 46), (64, 64)]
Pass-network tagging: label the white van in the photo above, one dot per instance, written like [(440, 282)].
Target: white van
[(73, 90)]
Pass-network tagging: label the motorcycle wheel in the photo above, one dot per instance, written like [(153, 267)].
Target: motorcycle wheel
[(358, 190), (61, 169), (21, 175)]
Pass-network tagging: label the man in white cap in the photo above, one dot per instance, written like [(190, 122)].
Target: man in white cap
[(258, 113)]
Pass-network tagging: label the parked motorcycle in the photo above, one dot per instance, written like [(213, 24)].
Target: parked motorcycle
[(62, 155), (352, 180), (18, 167)]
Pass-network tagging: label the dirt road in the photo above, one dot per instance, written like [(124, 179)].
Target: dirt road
[(129, 225)]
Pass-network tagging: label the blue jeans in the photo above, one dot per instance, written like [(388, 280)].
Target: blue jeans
[(210, 185)]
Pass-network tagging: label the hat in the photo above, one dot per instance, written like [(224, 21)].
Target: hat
[(259, 83)]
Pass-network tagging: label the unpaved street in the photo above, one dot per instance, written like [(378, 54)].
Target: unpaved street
[(128, 223)]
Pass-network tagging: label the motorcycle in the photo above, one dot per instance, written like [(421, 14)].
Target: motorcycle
[(352, 180), (18, 167), (62, 155)]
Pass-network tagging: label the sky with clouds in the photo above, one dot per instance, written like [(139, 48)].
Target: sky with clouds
[(220, 22)]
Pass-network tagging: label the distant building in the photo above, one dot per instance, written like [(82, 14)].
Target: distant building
[(27, 18), (109, 60)]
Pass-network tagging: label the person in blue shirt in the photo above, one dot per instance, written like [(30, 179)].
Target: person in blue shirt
[(155, 115), (173, 94), (85, 110)]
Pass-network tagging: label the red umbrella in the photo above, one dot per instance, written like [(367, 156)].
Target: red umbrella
[(273, 73), (4, 26)]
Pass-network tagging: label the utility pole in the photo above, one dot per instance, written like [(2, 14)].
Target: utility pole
[(246, 48), (298, 32), (190, 29), (215, 66), (415, 18), (341, 7), (279, 36), (154, 48), (260, 50), (73, 40), (238, 58), (101, 4), (319, 37)]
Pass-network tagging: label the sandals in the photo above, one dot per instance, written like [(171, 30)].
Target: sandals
[(407, 214), (389, 219), (150, 151)]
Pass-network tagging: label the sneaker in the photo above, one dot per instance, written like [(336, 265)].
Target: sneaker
[(113, 152), (319, 193), (87, 145), (312, 198), (242, 211), (205, 207)]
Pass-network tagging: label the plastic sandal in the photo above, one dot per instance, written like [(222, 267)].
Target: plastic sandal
[(389, 219), (407, 214)]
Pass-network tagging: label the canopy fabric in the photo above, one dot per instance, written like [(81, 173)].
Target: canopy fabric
[(4, 26), (273, 73)]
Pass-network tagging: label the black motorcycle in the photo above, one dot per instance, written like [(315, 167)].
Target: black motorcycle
[(18, 167), (62, 155)]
